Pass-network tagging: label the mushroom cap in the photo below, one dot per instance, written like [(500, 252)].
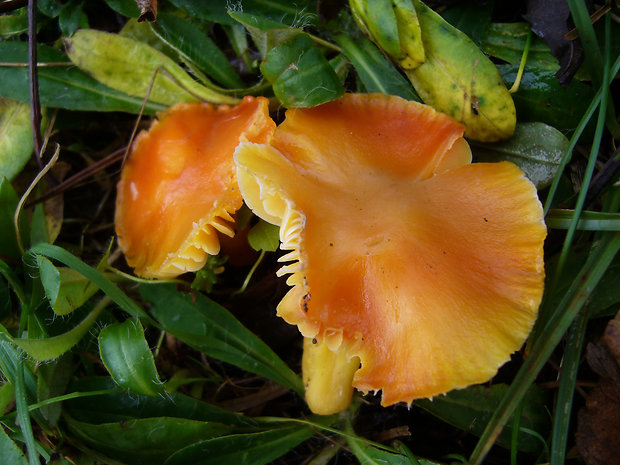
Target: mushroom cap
[(178, 186), (427, 267)]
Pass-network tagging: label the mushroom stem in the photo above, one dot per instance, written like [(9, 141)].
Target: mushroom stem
[(328, 377)]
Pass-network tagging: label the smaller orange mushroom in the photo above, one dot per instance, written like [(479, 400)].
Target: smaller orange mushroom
[(178, 186), (403, 255)]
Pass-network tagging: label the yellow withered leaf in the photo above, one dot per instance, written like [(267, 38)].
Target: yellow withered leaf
[(128, 65)]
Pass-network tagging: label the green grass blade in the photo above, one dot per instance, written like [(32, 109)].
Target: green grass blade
[(568, 378), (575, 138), (574, 300), (23, 415), (598, 135), (588, 220)]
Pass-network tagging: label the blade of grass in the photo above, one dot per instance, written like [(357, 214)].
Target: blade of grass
[(568, 378), (598, 135), (576, 135), (588, 220), (603, 95), (23, 415), (593, 56), (574, 300)]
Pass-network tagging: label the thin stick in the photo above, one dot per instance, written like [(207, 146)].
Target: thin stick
[(33, 77)]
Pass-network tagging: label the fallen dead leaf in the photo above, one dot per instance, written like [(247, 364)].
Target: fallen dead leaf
[(598, 429)]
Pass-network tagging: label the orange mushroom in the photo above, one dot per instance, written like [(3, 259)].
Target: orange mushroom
[(402, 253), (179, 187)]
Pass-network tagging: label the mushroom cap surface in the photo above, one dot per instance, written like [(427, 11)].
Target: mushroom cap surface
[(402, 252), (178, 186)]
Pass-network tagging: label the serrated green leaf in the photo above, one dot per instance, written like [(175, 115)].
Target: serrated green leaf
[(265, 32), (264, 236), (535, 147), (196, 47), (16, 143), (49, 348), (10, 453), (243, 449), (374, 70), (145, 441), (300, 74), (65, 288), (129, 66), (208, 327), (127, 357), (471, 408), (61, 86)]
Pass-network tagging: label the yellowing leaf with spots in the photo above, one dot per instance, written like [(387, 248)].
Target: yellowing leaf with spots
[(458, 79)]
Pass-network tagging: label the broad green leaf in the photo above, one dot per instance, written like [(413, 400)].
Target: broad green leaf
[(374, 70), (541, 98), (49, 8), (38, 227), (49, 348), (394, 26), (300, 74), (127, 8), (61, 86), (380, 20), (196, 47), (16, 143), (471, 18), (129, 66), (470, 409), (458, 79), (52, 379), (10, 453), (243, 449), (205, 325), (265, 32), (72, 17), (535, 147), (145, 441), (14, 24), (65, 288), (122, 406), (507, 41), (8, 205), (264, 236), (127, 357)]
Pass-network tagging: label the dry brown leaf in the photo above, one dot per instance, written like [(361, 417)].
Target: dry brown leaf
[(598, 430)]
